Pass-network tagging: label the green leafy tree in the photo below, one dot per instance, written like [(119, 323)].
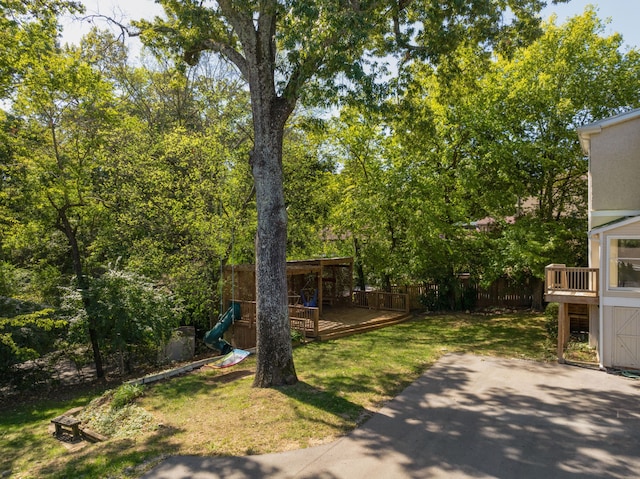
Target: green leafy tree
[(307, 178), (287, 50), (532, 104), (367, 211), (135, 317), (181, 196), (28, 35), (66, 113)]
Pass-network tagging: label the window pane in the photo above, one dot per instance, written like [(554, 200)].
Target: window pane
[(627, 262)]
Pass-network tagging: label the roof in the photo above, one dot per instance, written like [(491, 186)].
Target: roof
[(585, 132), (624, 221)]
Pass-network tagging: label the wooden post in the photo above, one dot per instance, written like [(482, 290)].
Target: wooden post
[(563, 329), (320, 289)]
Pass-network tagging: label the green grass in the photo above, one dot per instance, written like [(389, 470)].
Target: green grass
[(342, 383)]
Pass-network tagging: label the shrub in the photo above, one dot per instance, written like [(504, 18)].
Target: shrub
[(297, 336), (27, 336), (126, 394), (551, 320)]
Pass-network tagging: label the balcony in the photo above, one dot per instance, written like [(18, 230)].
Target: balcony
[(571, 285)]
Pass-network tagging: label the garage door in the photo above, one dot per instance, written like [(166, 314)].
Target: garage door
[(626, 328)]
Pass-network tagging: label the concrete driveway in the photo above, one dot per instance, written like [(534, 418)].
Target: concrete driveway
[(469, 417)]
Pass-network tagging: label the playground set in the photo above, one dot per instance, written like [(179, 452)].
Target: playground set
[(322, 303)]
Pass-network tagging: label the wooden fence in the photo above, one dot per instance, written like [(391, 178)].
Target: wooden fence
[(416, 293), (501, 293), (381, 300)]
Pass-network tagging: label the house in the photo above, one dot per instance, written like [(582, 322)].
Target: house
[(610, 286)]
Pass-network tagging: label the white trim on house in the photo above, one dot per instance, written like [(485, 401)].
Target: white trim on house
[(607, 270), (620, 301), (621, 213), (613, 225)]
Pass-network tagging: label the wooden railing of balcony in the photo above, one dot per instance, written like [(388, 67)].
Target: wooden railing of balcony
[(560, 279)]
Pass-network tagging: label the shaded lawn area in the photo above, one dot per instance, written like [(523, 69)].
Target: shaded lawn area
[(210, 411)]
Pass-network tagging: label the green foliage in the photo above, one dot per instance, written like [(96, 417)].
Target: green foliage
[(297, 336), (307, 179), (133, 316), (28, 33), (28, 336), (551, 320), (126, 394)]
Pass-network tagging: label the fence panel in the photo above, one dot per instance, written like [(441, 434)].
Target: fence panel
[(501, 293), (381, 300)]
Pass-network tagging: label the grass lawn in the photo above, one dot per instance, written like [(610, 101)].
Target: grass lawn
[(209, 411)]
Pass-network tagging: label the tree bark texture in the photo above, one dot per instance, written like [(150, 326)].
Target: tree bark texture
[(257, 63), (275, 356)]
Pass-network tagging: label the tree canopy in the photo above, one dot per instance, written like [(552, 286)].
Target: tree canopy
[(291, 50), (463, 158)]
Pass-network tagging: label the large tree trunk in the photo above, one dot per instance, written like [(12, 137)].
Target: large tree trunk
[(270, 112), (275, 356)]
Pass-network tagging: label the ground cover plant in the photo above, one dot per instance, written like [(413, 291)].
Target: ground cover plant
[(208, 412)]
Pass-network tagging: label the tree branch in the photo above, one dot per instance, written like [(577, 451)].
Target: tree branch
[(230, 53), (125, 31), (241, 23)]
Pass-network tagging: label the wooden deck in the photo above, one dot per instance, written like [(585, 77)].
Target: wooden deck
[(337, 322), (571, 285)]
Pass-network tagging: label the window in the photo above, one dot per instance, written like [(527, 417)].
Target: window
[(624, 263)]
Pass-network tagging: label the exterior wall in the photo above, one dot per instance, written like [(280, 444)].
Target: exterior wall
[(614, 302), (614, 171), (613, 146), (612, 352)]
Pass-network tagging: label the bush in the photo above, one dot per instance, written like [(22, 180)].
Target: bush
[(126, 394), (297, 336), (551, 320), (28, 336)]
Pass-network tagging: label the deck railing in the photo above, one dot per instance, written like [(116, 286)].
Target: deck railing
[(302, 318), (305, 319), (560, 279), (381, 300)]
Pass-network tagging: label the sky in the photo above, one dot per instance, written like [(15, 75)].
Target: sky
[(624, 15)]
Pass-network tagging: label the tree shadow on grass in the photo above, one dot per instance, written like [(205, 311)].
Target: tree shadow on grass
[(198, 381), (328, 401), (471, 417), (131, 456)]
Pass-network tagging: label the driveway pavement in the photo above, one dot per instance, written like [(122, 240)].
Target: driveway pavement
[(469, 417)]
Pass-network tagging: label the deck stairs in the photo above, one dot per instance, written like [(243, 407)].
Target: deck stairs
[(334, 330)]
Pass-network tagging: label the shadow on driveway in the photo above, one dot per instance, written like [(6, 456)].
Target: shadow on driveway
[(469, 417)]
